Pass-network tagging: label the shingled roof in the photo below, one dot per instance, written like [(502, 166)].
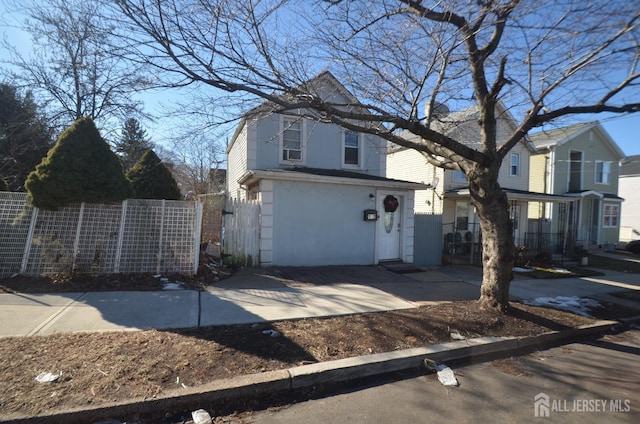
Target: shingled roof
[(630, 166)]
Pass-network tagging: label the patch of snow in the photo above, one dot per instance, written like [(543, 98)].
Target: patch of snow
[(575, 304), (518, 269), (172, 286), (561, 270), (457, 336)]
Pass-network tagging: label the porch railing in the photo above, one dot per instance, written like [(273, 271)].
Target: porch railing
[(465, 246)]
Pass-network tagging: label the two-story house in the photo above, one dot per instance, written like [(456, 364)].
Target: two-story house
[(449, 196), (323, 192), (580, 162)]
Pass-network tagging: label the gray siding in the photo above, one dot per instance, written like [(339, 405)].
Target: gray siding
[(322, 147)]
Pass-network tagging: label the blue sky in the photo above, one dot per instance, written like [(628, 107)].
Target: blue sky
[(623, 129)]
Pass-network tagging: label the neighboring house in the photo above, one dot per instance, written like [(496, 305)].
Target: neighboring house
[(323, 194), (449, 197), (581, 162), (628, 185)]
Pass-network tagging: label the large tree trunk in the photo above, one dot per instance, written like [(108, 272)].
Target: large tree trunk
[(492, 209)]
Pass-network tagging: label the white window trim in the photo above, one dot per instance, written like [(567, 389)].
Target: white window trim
[(595, 172), (303, 144), (517, 173), (617, 215), (344, 147)]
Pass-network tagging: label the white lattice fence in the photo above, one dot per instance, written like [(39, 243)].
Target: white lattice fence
[(130, 237), (241, 233), (15, 220)]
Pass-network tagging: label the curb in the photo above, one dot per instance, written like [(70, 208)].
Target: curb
[(330, 372)]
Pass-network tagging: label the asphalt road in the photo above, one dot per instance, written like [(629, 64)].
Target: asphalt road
[(591, 382)]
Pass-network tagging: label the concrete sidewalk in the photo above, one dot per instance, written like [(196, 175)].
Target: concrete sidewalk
[(289, 293), (41, 314), (257, 295)]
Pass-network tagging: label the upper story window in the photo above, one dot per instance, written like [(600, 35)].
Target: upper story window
[(603, 172), (459, 176), (351, 149), (291, 139), (514, 165)]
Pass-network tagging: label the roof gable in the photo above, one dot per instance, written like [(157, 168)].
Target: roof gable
[(324, 85), (463, 126), (559, 136)]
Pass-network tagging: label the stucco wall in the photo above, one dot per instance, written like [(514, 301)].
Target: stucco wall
[(321, 224)]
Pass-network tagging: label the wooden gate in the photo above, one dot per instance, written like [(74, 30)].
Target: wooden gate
[(241, 232)]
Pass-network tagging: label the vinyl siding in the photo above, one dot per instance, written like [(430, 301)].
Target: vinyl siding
[(593, 149), (538, 176), (237, 164), (538, 173), (630, 213), (521, 181), (409, 165), (321, 146)]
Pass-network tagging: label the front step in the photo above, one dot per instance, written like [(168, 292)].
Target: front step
[(400, 267)]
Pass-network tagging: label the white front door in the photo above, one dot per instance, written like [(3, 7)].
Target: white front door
[(389, 226)]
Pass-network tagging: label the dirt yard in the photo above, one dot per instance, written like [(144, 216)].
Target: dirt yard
[(107, 367)]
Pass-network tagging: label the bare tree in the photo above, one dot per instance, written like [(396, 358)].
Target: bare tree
[(197, 160), (74, 69), (545, 60)]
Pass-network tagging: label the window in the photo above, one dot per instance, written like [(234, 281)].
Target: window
[(603, 172), (351, 149), (514, 166), (610, 215), (462, 216), (459, 176), (291, 140)]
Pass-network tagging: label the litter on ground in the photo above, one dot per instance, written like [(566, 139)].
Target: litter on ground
[(201, 417), (445, 374), (48, 377)]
